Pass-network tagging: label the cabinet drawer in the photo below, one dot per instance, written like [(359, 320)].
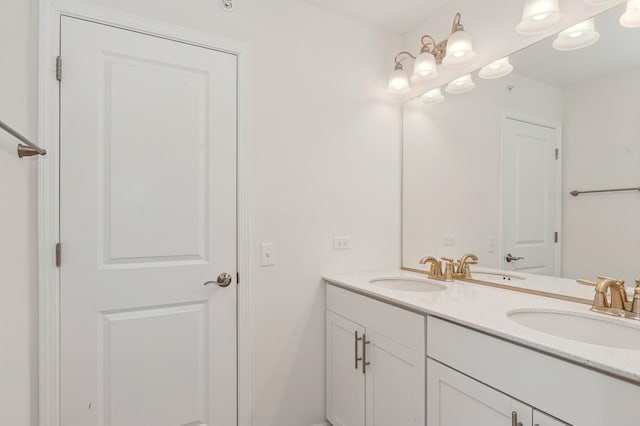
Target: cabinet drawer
[(402, 326), (576, 394)]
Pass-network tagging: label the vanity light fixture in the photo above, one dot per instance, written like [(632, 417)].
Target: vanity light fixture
[(399, 81), (631, 18), (538, 16), (497, 69), (459, 48), (578, 36), (456, 51), (432, 97), (463, 84)]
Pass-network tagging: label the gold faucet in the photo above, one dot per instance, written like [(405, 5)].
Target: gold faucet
[(463, 266), (435, 270), (619, 305)]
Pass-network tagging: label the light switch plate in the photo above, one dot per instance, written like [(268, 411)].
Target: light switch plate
[(267, 254), (491, 244)]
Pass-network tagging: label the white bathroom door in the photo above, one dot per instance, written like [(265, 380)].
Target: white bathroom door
[(148, 216), (529, 197)]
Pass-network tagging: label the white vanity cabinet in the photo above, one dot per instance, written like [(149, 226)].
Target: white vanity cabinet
[(375, 362)]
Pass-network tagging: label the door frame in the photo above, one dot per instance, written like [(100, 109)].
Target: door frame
[(557, 127), (50, 13)]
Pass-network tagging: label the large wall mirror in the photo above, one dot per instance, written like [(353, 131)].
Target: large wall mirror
[(490, 171)]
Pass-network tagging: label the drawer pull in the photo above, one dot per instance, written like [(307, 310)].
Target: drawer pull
[(356, 340), (365, 342), (514, 419)]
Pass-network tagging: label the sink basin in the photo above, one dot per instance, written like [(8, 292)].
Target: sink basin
[(580, 327), (407, 284)]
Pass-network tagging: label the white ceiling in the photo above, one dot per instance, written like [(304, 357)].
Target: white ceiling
[(399, 16)]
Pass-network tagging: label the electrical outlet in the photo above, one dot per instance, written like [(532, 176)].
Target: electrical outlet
[(267, 254), (491, 244), (341, 243), (449, 240)]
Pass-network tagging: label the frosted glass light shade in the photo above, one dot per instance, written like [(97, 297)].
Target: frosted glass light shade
[(461, 85), (432, 97), (459, 50), (631, 18), (399, 82), (578, 36), (539, 16), (424, 67), (497, 69)]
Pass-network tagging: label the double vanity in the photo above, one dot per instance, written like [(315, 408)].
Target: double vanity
[(402, 349)]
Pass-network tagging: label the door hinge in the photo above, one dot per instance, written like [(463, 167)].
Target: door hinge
[(555, 237), (58, 254), (557, 153), (59, 68), (237, 277)]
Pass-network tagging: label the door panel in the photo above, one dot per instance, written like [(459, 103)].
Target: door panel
[(345, 383), (529, 197), (395, 383), (454, 399), (148, 214), (541, 419)]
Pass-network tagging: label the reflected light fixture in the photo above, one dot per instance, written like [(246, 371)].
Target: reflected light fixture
[(577, 37), (631, 17), (463, 84), (538, 16), (497, 69), (456, 51), (432, 97)]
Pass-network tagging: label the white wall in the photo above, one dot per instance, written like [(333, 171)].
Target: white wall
[(18, 230), (326, 162), (451, 171), (602, 150)]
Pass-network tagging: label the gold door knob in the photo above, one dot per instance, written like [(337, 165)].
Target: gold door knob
[(224, 280)]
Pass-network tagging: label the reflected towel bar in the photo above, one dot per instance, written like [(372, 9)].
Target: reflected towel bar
[(29, 148), (576, 193)]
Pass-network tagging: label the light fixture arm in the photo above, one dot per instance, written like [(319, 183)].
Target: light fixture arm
[(457, 26), (399, 58)]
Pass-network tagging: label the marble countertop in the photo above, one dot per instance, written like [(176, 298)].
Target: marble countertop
[(485, 309)]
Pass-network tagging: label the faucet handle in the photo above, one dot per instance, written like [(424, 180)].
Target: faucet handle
[(586, 282), (617, 280)]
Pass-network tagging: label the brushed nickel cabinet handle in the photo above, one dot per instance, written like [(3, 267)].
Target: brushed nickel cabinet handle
[(355, 349), (365, 342), (514, 419)]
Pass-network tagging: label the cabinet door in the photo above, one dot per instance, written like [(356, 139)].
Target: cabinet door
[(454, 399), (395, 382), (345, 382), (542, 419)]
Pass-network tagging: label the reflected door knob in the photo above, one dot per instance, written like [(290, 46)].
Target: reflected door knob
[(510, 258), (224, 280)]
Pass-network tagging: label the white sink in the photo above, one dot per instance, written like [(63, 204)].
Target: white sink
[(585, 328), (407, 284)]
